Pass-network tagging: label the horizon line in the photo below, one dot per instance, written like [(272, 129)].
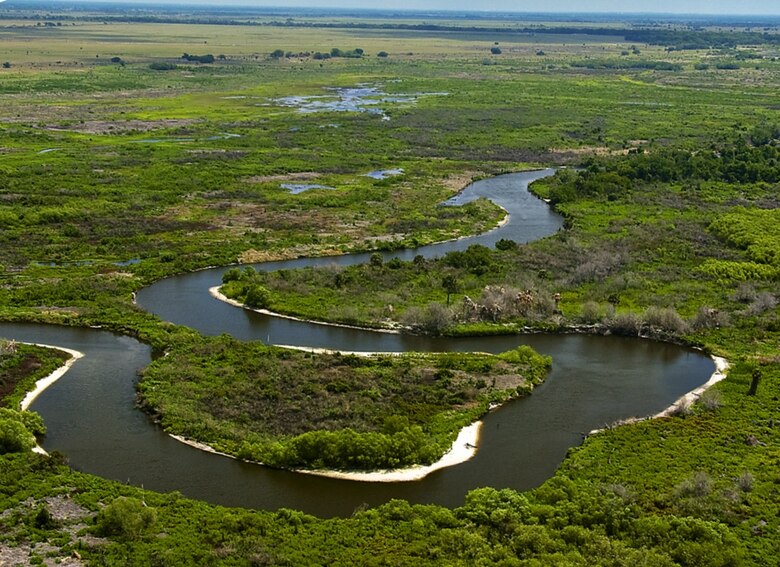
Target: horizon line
[(239, 4)]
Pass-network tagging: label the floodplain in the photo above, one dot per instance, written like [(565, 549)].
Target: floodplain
[(135, 148)]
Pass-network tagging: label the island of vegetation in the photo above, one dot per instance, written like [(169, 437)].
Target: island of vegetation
[(292, 409), (124, 163)]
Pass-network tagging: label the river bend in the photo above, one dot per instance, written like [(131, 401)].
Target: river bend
[(594, 381)]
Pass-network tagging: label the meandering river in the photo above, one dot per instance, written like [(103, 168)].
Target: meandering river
[(595, 381)]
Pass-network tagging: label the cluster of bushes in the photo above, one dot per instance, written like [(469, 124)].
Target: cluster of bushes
[(18, 430), (162, 66), (336, 52), (208, 58), (20, 367), (348, 449), (627, 64), (755, 230), (244, 286), (753, 158)]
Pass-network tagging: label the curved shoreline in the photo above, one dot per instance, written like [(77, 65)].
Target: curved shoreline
[(43, 383), (216, 294), (46, 381), (721, 367), (466, 444), (463, 448)]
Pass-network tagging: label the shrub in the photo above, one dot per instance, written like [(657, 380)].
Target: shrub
[(14, 437), (233, 275), (162, 66), (697, 486), (628, 324), (745, 293), (432, 320), (257, 296), (763, 302), (125, 518), (711, 400), (591, 312), (495, 50), (665, 319), (709, 318), (745, 481), (506, 244)]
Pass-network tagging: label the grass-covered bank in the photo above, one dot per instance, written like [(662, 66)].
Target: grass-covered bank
[(298, 410), (21, 366), (52, 512)]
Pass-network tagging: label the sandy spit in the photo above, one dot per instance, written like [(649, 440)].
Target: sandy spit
[(463, 449), (44, 383), (215, 293)]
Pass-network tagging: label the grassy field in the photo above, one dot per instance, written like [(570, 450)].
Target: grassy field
[(114, 174)]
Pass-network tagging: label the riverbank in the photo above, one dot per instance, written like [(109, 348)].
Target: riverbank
[(217, 294), (681, 403), (463, 449), (43, 383)]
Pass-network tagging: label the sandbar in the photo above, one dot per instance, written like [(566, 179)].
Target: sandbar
[(44, 383)]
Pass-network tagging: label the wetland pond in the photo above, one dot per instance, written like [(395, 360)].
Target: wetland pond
[(594, 381)]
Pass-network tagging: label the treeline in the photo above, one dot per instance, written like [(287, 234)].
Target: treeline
[(754, 158), (673, 39), (627, 64)]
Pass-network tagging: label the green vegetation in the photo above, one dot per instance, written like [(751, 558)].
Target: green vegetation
[(295, 410), (20, 367), (116, 174), (55, 512)]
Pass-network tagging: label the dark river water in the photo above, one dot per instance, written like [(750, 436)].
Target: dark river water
[(594, 381)]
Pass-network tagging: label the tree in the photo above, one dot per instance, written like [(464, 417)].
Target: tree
[(257, 296), (506, 244), (495, 50), (126, 518), (277, 53), (14, 437), (451, 285), (376, 260)]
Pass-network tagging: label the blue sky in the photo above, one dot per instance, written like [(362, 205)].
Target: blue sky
[(764, 7)]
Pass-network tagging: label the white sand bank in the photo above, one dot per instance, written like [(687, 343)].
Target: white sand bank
[(44, 383), (215, 293), (463, 449)]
